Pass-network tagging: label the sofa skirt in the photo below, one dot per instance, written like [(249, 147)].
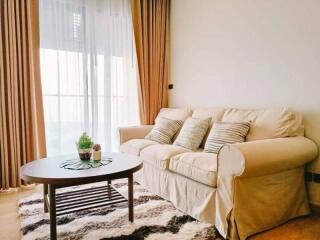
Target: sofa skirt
[(206, 204), (189, 196)]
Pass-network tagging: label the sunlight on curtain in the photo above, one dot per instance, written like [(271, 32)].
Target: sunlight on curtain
[(88, 71)]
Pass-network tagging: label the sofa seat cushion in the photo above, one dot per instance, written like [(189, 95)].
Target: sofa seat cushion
[(199, 166), (134, 146), (159, 155)]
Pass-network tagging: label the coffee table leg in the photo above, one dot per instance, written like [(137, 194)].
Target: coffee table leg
[(45, 195), (109, 190), (53, 220), (130, 197)]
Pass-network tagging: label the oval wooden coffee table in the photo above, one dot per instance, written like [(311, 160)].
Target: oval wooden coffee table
[(49, 172)]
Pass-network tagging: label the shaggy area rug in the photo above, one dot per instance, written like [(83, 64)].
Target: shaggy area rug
[(154, 218)]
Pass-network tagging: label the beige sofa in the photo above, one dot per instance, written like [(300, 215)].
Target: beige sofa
[(245, 189)]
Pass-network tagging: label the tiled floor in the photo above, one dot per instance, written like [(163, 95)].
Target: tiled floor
[(304, 228)]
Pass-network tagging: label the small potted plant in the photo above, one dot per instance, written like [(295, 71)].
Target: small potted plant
[(96, 152), (85, 147)]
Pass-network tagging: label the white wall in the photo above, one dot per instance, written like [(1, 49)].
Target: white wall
[(248, 54)]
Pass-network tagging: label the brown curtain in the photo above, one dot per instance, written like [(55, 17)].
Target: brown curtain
[(22, 135), (151, 31)]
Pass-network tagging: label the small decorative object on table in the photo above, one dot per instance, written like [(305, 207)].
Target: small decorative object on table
[(76, 164), (96, 152), (85, 147)]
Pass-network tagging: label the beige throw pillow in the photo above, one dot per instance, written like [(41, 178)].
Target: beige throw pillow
[(192, 133), (164, 130), (225, 133)]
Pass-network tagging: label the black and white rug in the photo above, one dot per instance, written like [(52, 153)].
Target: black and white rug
[(154, 218)]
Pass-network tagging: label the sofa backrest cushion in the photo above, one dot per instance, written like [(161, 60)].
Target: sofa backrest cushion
[(175, 113), (215, 114), (267, 123)]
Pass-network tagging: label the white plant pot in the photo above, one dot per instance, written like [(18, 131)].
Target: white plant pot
[(85, 154)]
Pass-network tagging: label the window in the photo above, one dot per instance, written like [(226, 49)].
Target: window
[(88, 72)]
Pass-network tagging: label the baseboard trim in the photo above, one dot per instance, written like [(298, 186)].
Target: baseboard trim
[(315, 209), (312, 177)]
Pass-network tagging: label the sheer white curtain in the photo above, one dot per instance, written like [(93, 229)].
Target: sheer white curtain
[(88, 71)]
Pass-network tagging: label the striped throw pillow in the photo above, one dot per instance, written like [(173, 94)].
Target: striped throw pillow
[(192, 133), (225, 133), (164, 130)]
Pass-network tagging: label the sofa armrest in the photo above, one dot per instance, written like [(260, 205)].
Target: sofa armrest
[(262, 157), (134, 132), (244, 162)]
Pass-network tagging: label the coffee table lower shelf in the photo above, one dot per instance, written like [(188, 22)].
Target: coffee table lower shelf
[(79, 200), (85, 199)]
